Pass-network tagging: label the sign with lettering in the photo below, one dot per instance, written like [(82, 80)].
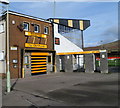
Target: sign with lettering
[(36, 40), (35, 45), (35, 34), (13, 48)]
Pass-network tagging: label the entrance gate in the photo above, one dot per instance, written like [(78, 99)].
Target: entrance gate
[(38, 63), (35, 63)]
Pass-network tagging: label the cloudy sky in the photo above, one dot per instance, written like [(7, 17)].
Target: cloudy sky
[(103, 16)]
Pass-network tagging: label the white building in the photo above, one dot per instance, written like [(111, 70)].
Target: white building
[(68, 42), (2, 47)]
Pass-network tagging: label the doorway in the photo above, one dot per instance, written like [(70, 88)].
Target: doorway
[(27, 64)]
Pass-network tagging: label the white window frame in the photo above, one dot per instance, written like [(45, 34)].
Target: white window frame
[(26, 59), (27, 26), (38, 28), (46, 31), (2, 29)]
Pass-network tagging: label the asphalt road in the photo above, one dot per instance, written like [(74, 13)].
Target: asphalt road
[(64, 89)]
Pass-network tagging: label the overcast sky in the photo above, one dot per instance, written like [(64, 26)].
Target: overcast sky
[(103, 16)]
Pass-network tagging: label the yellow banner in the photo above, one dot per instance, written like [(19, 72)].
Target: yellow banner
[(35, 45), (83, 52), (35, 34)]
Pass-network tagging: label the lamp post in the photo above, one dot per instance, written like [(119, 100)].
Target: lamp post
[(8, 71), (54, 8), (82, 39), (6, 2)]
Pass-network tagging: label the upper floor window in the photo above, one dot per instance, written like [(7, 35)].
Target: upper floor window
[(1, 28), (46, 30), (36, 28), (26, 26)]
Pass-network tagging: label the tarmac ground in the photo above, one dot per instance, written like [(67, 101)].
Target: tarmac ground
[(63, 89)]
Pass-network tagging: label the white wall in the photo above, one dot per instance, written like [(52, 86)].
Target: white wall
[(2, 48), (65, 44)]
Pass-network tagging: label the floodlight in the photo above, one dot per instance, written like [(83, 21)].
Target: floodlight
[(4, 1)]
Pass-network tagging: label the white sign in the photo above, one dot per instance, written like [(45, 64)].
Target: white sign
[(14, 61), (13, 48), (103, 56), (68, 57), (103, 50)]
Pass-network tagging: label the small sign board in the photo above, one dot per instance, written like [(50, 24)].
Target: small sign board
[(102, 50), (35, 45), (14, 61), (103, 56), (13, 48)]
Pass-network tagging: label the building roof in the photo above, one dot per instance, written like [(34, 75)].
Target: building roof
[(73, 23), (24, 15)]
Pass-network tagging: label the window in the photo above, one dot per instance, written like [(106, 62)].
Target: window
[(57, 41), (1, 28), (36, 28), (46, 30), (26, 26), (26, 60)]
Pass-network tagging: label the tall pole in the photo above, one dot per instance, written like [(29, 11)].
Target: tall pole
[(54, 8), (83, 48), (82, 39), (8, 65)]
